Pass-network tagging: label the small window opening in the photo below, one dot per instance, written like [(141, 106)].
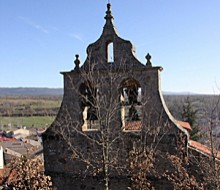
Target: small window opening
[(110, 53)]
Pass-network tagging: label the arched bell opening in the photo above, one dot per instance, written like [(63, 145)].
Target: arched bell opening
[(131, 106), (88, 103)]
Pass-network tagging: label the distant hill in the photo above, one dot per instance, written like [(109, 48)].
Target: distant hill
[(179, 93), (56, 91), (30, 91)]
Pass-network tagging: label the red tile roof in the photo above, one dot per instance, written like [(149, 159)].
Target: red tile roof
[(136, 125), (203, 148), (185, 125), (7, 139), (133, 125)]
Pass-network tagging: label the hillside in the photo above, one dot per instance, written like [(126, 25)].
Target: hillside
[(7, 91), (30, 91)]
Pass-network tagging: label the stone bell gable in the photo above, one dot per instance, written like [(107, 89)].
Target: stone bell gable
[(123, 52), (112, 100)]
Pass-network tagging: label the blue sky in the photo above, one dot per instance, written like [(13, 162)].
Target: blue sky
[(39, 38)]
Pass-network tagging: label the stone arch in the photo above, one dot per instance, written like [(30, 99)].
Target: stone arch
[(88, 97), (131, 105)]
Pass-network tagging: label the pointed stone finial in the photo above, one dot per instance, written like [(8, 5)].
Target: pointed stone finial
[(109, 28), (77, 62), (108, 12), (148, 57)]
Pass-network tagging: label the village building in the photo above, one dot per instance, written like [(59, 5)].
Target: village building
[(111, 104), (20, 143)]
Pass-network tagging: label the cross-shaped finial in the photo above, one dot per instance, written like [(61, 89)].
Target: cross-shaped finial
[(148, 57), (77, 62)]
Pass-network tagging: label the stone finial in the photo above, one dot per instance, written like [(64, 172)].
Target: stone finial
[(108, 12), (148, 57), (77, 62)]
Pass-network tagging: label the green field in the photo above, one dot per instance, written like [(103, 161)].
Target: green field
[(8, 123), (12, 106), (40, 111), (29, 111)]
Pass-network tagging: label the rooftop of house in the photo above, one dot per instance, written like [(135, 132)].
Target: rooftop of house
[(204, 149), (136, 125), (185, 125), (133, 125), (16, 147)]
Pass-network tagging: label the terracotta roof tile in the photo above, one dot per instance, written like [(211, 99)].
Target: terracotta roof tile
[(203, 148), (136, 125), (7, 139), (185, 125), (133, 125)]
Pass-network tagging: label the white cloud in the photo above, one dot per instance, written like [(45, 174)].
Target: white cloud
[(76, 36), (33, 24)]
